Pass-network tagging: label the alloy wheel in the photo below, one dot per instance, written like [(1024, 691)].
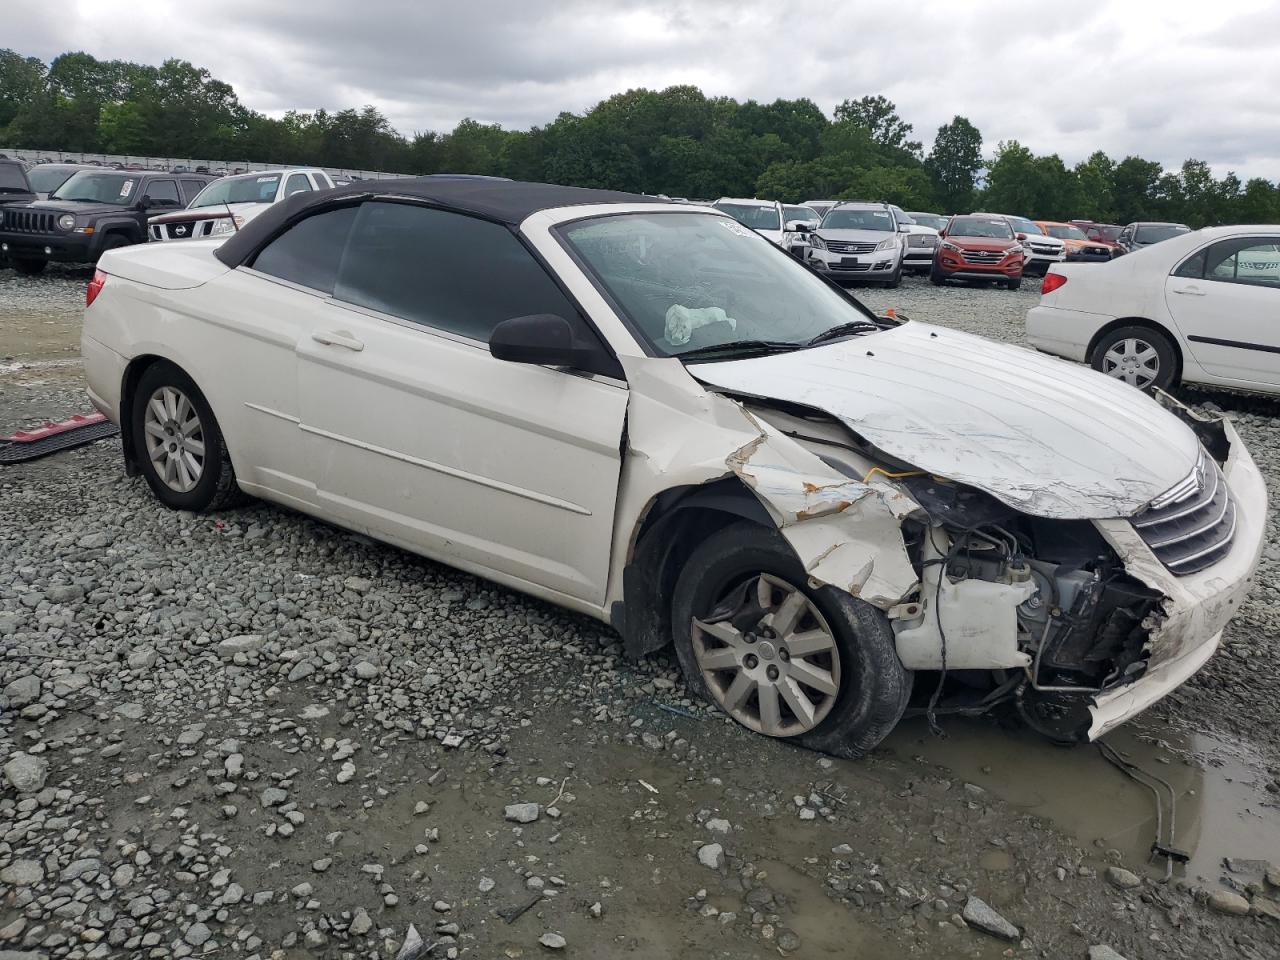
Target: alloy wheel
[(1134, 361), (175, 439), (769, 657)]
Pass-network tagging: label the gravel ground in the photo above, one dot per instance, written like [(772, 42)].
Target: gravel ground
[(254, 735)]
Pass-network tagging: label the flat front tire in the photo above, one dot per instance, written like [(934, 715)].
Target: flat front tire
[(178, 444), (817, 667)]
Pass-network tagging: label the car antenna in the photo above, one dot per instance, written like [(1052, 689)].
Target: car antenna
[(235, 226)]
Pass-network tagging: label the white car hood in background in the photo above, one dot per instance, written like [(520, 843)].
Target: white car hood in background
[(1046, 437)]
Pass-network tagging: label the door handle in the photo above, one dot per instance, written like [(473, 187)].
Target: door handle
[(1192, 291), (339, 338)]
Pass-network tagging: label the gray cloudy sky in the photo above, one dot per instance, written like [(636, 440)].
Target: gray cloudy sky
[(1167, 80)]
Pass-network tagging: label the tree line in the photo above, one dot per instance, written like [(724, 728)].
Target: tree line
[(676, 141)]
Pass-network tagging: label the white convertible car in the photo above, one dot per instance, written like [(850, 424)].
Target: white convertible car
[(652, 415), (1199, 307)]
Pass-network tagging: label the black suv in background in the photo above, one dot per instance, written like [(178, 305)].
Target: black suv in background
[(14, 185), (94, 211), (1135, 236)]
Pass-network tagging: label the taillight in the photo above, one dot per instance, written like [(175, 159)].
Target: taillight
[(1051, 282), (95, 287)]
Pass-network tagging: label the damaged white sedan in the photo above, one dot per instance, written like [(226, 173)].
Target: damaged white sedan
[(652, 415)]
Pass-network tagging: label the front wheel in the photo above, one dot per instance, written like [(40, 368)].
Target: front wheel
[(1140, 356), (896, 280), (1013, 283), (936, 277), (30, 268), (814, 666)]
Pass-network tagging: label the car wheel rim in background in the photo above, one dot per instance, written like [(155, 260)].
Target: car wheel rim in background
[(769, 657), (175, 439)]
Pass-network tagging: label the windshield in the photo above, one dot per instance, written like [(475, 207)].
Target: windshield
[(254, 189), (46, 179), (854, 218), (1025, 226), (800, 213), (1064, 231), (977, 227), (757, 218), (934, 221), (693, 280), (11, 179), (1155, 232), (89, 185), (1109, 234)]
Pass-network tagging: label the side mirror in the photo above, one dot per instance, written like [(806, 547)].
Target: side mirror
[(549, 340), (800, 226), (942, 234), (1022, 236), (904, 228)]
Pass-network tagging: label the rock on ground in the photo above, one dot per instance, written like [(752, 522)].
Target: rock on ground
[(978, 913)]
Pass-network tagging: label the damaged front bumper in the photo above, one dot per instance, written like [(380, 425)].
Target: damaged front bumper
[(1197, 607)]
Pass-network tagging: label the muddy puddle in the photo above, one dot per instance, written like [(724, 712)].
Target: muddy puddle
[(1222, 807)]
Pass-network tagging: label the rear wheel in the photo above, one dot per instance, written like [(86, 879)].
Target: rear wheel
[(30, 268), (178, 443), (814, 666), (1140, 356)]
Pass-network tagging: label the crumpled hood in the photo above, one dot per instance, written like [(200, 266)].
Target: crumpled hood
[(1044, 436)]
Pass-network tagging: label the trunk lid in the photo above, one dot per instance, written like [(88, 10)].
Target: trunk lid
[(169, 266)]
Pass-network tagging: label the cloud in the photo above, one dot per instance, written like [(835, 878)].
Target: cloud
[(1158, 79)]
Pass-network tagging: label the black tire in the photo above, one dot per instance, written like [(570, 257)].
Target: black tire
[(1013, 283), (114, 241), (896, 280), (216, 488), (1167, 353), (30, 268), (936, 277), (874, 685)]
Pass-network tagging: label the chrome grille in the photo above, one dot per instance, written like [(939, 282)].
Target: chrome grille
[(28, 221), (922, 240), (849, 246), (1191, 526), (983, 256), (1045, 249)]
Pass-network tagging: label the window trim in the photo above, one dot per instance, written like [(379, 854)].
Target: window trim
[(583, 316)]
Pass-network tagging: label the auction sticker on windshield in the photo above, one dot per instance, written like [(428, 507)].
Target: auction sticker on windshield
[(734, 227), (126, 188)]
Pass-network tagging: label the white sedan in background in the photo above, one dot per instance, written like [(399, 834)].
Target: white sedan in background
[(1201, 307)]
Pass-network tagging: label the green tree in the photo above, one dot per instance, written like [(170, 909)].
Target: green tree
[(879, 116), (1094, 179), (1135, 188), (954, 162)]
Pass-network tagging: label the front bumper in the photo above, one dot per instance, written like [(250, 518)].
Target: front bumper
[(1197, 607), (58, 247), (953, 266), (877, 265), (1096, 255), (1038, 264)]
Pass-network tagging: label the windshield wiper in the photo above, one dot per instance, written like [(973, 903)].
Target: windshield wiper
[(740, 347), (843, 330)]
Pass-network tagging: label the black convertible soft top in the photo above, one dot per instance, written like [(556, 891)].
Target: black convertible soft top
[(504, 201)]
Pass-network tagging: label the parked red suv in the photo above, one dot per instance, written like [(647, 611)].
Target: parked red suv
[(978, 247), (1107, 234)]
